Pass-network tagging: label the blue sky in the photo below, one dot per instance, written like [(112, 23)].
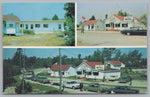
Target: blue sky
[(70, 52), (100, 9), (34, 11)]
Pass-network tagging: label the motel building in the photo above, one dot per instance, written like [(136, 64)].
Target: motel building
[(115, 22), (93, 25), (13, 25), (67, 70), (96, 70)]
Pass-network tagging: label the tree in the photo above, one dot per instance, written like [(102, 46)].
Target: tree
[(27, 88), (108, 52), (92, 18), (106, 16), (70, 23), (45, 18), (55, 17), (11, 14), (143, 19), (121, 13)]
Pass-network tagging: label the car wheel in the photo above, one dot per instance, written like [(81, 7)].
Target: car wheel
[(128, 34)]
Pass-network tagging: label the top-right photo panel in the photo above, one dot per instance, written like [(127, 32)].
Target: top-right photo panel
[(112, 24)]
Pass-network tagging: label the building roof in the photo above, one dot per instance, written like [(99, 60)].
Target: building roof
[(56, 67), (119, 17), (90, 22), (115, 62), (92, 64), (10, 18), (137, 18)]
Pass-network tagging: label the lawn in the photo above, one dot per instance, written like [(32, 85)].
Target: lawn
[(34, 40)]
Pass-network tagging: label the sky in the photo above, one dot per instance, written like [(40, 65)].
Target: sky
[(34, 11), (70, 52), (99, 10)]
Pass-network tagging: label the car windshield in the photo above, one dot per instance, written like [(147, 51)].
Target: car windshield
[(73, 82)]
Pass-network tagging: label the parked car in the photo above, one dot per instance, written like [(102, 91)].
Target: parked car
[(28, 75), (124, 79), (122, 90), (134, 31), (72, 84), (95, 87), (42, 79), (55, 82), (34, 78)]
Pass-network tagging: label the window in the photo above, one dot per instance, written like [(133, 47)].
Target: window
[(92, 26), (45, 25), (117, 25), (79, 72), (95, 73), (26, 26), (31, 26), (21, 25), (88, 73), (37, 25), (124, 25), (59, 26), (107, 25), (10, 25), (63, 73)]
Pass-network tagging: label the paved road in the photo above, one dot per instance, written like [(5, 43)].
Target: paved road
[(109, 38)]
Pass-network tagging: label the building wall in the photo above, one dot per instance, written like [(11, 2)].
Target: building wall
[(70, 72), (8, 29), (52, 26), (99, 26)]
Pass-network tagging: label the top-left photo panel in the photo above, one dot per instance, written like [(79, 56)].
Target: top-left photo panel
[(38, 24)]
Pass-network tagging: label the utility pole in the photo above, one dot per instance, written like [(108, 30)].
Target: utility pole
[(60, 68)]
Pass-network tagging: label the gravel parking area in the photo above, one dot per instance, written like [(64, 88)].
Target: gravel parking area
[(109, 38)]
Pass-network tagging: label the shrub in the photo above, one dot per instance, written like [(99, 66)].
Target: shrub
[(30, 32)]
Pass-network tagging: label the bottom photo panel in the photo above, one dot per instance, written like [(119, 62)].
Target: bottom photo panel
[(74, 71)]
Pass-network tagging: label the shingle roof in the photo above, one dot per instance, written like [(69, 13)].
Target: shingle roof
[(92, 64), (115, 62), (89, 22), (119, 17), (10, 18), (137, 18), (56, 67)]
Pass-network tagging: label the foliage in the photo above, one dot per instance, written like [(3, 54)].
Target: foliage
[(106, 16), (55, 17), (92, 18), (121, 13), (45, 18), (143, 19), (27, 88), (70, 23), (11, 14), (30, 32)]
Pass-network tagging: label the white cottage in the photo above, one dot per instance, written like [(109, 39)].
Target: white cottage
[(43, 26), (115, 64), (93, 25), (115, 22), (67, 70), (95, 70)]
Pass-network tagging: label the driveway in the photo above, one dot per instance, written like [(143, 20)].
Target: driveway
[(109, 38)]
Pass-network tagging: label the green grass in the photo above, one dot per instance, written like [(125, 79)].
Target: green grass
[(34, 40)]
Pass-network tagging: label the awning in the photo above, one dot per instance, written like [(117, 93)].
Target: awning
[(94, 71), (78, 70), (88, 71), (124, 22), (117, 22), (107, 23)]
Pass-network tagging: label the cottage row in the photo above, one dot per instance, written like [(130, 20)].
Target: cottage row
[(13, 25), (114, 22), (92, 70)]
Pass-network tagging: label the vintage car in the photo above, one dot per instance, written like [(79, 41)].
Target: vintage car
[(95, 87), (134, 31), (42, 79), (72, 84), (122, 90)]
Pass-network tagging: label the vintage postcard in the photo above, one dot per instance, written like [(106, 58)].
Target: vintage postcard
[(38, 24), (112, 24), (75, 70)]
